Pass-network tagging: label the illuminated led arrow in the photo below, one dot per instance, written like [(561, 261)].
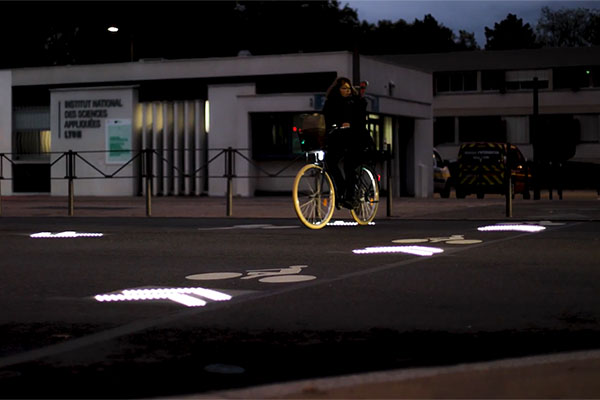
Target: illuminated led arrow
[(415, 250), (185, 296), (64, 235)]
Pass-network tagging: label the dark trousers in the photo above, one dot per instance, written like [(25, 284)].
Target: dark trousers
[(342, 152)]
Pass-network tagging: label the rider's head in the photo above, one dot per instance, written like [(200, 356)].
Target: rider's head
[(342, 87)]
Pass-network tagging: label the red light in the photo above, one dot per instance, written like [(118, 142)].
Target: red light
[(378, 177), (294, 129)]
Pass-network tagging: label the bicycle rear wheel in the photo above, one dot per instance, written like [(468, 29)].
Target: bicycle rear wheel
[(367, 192), (314, 196)]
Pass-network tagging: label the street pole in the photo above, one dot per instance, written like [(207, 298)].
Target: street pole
[(508, 178), (535, 140)]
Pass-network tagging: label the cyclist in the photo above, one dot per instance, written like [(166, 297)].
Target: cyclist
[(347, 138)]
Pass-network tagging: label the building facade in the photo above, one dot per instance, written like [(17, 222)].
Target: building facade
[(99, 122), (490, 96)]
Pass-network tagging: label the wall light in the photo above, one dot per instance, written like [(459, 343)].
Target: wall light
[(206, 116)]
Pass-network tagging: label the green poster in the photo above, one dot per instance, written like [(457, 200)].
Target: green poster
[(118, 140)]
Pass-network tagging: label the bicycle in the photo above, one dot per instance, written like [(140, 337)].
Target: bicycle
[(314, 191)]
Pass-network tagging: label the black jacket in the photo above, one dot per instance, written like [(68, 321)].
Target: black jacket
[(338, 110)]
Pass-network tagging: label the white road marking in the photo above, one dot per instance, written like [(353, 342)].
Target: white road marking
[(213, 276), (287, 278)]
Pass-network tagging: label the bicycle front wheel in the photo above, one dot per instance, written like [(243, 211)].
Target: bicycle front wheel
[(367, 191), (314, 196)]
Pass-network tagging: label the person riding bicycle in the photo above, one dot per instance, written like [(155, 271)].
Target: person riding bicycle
[(347, 138)]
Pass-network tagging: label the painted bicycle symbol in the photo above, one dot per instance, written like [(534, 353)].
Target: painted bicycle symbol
[(453, 239), (270, 275)]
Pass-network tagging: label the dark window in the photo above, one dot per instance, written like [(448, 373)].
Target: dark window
[(541, 84), (485, 129), (470, 81), (595, 76), (460, 81), (274, 135), (442, 82), (492, 80), (575, 77), (443, 130), (555, 136), (456, 82)]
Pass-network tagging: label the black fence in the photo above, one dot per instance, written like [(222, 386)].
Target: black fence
[(145, 163)]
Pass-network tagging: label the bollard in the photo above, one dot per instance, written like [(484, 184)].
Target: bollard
[(71, 177), (148, 197), (508, 177), (229, 174), (389, 180), (148, 173)]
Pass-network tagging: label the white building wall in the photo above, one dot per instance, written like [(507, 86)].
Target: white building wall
[(229, 127), (341, 62), (474, 104), (393, 81), (423, 167), (167, 125), (68, 110), (519, 106), (5, 130)]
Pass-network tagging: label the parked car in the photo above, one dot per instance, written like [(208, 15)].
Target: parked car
[(441, 175), (482, 169)]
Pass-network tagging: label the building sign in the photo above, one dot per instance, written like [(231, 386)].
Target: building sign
[(79, 115), (99, 123), (118, 140)]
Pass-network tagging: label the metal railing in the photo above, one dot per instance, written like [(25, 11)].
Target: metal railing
[(146, 173)]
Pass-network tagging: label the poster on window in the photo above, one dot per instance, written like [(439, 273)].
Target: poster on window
[(118, 141)]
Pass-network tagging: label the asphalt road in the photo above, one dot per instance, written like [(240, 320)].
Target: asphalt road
[(284, 303)]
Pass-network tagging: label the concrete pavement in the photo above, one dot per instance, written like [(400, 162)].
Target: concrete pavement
[(575, 205), (569, 375)]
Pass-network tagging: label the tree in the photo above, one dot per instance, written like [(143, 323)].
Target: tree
[(569, 28), (428, 36), (422, 36), (60, 33), (510, 33), (466, 41)]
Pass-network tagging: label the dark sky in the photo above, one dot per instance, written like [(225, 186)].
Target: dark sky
[(470, 15)]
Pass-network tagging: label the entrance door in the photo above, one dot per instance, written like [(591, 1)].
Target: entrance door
[(31, 162)]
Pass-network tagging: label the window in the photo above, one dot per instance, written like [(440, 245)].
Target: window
[(575, 78), (374, 129), (443, 130), (485, 129), (273, 135), (492, 80), (589, 128), (517, 129), (32, 145), (524, 79), (457, 81)]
